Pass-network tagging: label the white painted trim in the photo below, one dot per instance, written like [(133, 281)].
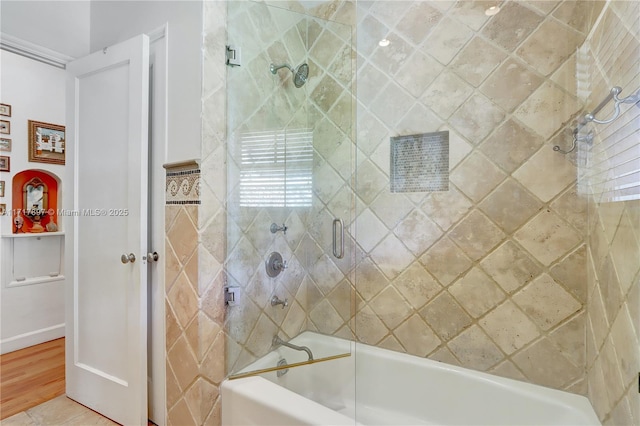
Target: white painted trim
[(31, 338), (33, 51)]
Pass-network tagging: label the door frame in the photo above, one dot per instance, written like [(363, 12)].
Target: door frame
[(158, 116)]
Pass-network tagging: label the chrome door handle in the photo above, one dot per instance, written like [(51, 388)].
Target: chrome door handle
[(151, 257), (126, 258), (339, 254)]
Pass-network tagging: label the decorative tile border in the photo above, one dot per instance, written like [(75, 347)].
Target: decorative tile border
[(183, 187)]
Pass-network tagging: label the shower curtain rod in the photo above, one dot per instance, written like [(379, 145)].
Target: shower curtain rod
[(590, 117)]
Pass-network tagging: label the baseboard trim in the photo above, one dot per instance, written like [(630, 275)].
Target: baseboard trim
[(31, 338)]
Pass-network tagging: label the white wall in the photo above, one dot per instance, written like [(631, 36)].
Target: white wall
[(29, 314), (115, 21), (62, 26)]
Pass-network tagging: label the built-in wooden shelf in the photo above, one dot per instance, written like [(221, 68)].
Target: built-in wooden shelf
[(34, 235)]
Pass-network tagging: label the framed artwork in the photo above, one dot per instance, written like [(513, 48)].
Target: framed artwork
[(5, 144), (46, 143), (3, 209), (4, 163), (1, 188), (5, 110), (5, 127)]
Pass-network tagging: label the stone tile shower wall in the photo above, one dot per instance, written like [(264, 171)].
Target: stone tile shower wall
[(316, 287), (613, 327), (491, 274)]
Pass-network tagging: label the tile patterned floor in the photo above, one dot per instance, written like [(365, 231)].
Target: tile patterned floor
[(60, 411)]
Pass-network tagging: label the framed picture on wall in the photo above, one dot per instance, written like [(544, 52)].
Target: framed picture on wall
[(5, 144), (5, 110), (4, 163), (1, 188), (46, 143), (5, 127)]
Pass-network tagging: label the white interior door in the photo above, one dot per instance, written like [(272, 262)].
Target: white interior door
[(106, 298)]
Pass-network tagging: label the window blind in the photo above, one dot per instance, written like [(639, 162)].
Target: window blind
[(276, 168)]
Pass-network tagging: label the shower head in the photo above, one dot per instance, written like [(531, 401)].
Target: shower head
[(300, 75)]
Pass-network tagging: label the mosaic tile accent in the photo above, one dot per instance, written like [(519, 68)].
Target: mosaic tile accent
[(183, 187), (420, 162)]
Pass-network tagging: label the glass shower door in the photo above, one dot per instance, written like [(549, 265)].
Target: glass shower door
[(290, 200)]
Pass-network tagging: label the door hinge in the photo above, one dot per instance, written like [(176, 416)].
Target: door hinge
[(233, 56), (232, 296)]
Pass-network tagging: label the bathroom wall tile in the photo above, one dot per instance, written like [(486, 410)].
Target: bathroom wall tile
[(510, 84), (392, 104), (180, 415), (547, 237), (183, 363), (183, 236), (446, 94), (510, 267), (391, 256), (391, 208), (549, 46), (547, 109), (259, 341), (569, 337), (509, 370), (325, 317), (183, 300), (369, 328), (387, 12), (545, 6), (445, 316), (477, 292), (511, 26), (509, 327), (580, 15), (370, 31), (419, 119), (390, 307), (476, 235), (565, 76), (447, 207), (476, 118), (418, 21), (571, 272), (543, 364), (416, 83), (418, 232), (471, 13), (392, 60), (444, 355), (510, 205), (477, 176), (535, 175), (511, 144), (475, 350), (417, 285), (625, 343), (572, 207), (625, 252), (416, 337), (445, 261), (446, 39), (546, 302), (370, 280), (370, 181), (391, 343), (476, 61)]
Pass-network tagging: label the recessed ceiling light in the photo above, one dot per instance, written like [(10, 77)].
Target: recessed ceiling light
[(384, 42), (493, 10)]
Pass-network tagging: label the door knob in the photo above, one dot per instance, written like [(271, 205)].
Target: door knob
[(126, 258), (152, 257)]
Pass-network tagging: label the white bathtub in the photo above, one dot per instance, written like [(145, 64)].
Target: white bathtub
[(381, 387)]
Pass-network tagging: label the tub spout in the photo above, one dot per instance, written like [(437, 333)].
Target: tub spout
[(277, 341)]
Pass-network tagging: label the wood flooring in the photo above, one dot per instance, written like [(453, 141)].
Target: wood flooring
[(31, 376)]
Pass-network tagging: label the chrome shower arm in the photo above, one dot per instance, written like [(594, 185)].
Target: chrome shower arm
[(274, 68), (278, 341)]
